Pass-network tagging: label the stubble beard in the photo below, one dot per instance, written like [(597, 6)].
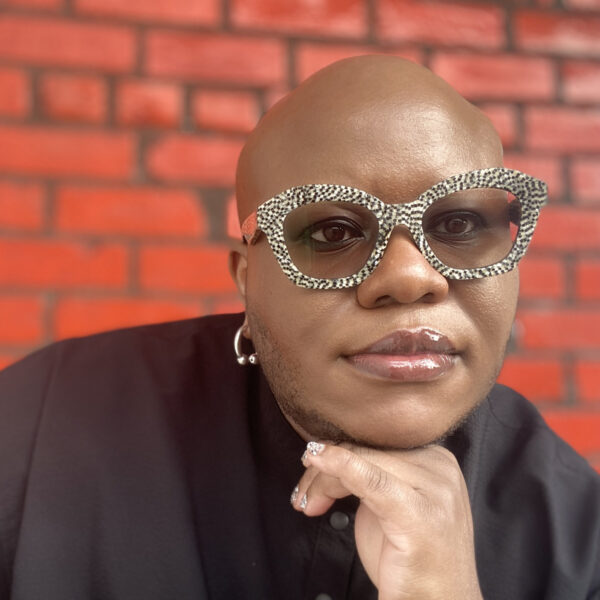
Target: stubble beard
[(285, 380)]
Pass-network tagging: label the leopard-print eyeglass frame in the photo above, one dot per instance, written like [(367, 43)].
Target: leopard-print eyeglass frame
[(269, 218)]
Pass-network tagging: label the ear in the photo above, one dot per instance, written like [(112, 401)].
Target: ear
[(238, 266)]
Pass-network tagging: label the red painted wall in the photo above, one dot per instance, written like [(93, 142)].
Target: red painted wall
[(120, 124)]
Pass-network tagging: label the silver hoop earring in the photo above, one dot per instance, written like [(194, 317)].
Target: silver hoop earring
[(243, 359)]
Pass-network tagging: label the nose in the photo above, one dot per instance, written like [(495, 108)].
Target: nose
[(403, 276)]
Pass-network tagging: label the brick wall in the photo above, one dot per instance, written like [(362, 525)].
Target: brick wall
[(121, 121)]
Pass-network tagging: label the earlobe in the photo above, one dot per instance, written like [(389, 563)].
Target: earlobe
[(238, 266)]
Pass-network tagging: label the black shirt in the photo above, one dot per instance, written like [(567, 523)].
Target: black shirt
[(146, 463)]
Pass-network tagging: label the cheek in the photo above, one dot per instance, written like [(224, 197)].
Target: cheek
[(491, 304), (291, 314)]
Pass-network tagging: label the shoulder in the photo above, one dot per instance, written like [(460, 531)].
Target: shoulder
[(111, 420), (535, 501), (516, 424), (84, 381), (199, 338)]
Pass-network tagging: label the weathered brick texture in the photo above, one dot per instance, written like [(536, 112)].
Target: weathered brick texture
[(75, 316), (346, 18), (50, 151), (183, 12), (129, 211), (149, 103), (15, 97), (446, 23), (21, 206), (66, 43), (121, 122), (505, 76), (73, 98)]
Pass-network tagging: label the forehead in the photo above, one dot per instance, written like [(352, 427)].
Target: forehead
[(390, 150)]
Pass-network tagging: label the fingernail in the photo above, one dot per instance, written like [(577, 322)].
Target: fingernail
[(294, 495), (315, 448), (303, 502), (304, 455)]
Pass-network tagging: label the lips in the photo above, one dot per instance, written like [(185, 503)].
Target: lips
[(407, 356)]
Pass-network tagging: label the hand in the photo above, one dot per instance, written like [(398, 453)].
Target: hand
[(413, 528)]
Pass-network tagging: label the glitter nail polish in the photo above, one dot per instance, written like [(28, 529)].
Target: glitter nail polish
[(315, 448), (294, 495), (303, 502)]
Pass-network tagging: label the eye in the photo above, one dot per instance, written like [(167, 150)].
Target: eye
[(455, 225), (332, 234)]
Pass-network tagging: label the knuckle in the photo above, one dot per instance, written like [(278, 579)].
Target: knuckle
[(377, 480)]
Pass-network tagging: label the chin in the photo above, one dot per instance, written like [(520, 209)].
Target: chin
[(371, 433)]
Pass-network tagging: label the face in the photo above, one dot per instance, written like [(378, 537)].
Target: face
[(399, 360)]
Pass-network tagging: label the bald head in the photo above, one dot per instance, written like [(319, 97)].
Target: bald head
[(367, 118)]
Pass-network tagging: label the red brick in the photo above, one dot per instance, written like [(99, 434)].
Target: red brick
[(330, 17), (50, 151), (581, 81), (560, 329), (565, 130), (21, 206), (542, 277), (66, 43), (21, 319), (559, 33), (310, 58), (233, 221), (537, 380), (149, 103), (15, 97), (226, 307), (225, 111), (567, 229), (499, 76), (41, 263), (205, 160), (587, 375), (215, 57), (82, 316), (185, 12), (131, 211), (185, 269), (587, 279), (585, 180), (73, 97), (441, 23), (44, 4), (581, 429), (546, 168), (504, 119), (582, 4)]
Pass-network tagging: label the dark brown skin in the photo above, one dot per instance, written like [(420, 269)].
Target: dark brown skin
[(393, 129)]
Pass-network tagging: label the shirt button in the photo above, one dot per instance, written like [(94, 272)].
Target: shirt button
[(339, 520), (323, 597)]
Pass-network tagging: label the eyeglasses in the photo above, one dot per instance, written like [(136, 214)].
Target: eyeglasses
[(473, 225)]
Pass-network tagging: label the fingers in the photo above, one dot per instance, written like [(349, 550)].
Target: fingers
[(316, 491), (381, 479), (342, 472)]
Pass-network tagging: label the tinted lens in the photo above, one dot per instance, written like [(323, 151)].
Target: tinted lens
[(329, 240), (473, 228)]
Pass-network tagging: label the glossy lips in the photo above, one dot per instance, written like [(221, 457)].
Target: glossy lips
[(407, 356)]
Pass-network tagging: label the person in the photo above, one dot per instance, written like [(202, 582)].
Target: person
[(381, 236)]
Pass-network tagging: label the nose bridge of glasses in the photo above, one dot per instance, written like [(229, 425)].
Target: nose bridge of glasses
[(404, 215)]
